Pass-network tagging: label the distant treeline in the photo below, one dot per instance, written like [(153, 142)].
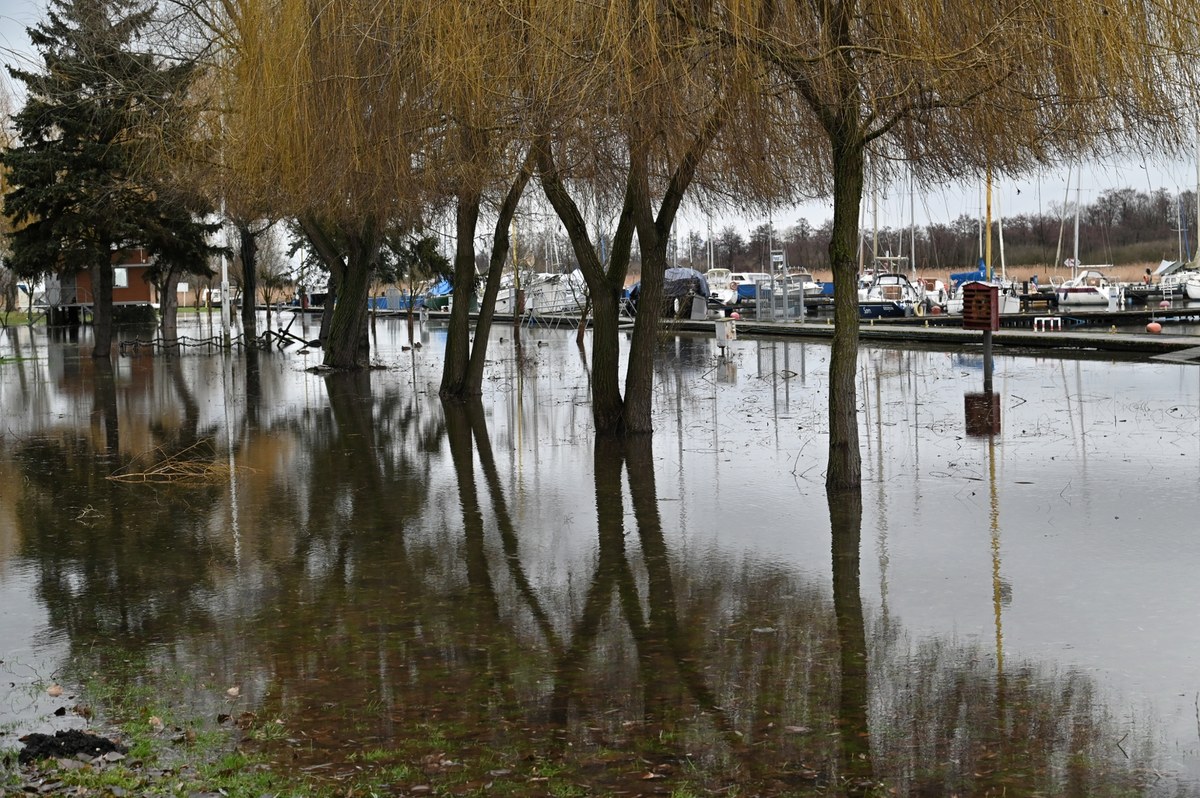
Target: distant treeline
[(1123, 226)]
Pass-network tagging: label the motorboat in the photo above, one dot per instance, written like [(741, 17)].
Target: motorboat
[(1164, 283), (743, 286), (1088, 288), (1010, 302), (1191, 287), (890, 295), (545, 293), (718, 285)]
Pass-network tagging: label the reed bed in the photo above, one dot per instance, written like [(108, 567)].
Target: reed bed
[(196, 465)]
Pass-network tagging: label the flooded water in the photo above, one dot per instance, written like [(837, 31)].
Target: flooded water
[(1012, 609)]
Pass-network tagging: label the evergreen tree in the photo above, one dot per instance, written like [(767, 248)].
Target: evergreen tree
[(96, 114)]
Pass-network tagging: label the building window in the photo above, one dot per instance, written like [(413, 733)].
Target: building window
[(120, 278)]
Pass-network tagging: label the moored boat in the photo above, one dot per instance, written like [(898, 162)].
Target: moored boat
[(1191, 287), (889, 295), (1088, 288)]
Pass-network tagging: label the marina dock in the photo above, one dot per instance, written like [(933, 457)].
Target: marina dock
[(1161, 346)]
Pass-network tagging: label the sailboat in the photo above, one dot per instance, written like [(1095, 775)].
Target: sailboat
[(1009, 301), (1088, 287)]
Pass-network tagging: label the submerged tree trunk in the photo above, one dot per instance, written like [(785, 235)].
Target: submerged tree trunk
[(654, 235), (458, 344), (102, 310), (633, 413), (249, 252), (652, 241), (349, 345), (168, 308), (604, 287), (327, 306), (845, 460), (344, 326), (473, 383)]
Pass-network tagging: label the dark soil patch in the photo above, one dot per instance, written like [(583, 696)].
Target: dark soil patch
[(69, 743)]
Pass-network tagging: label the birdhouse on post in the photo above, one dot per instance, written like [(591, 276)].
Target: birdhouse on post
[(981, 307)]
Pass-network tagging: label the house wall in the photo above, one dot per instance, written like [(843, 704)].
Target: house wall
[(130, 285)]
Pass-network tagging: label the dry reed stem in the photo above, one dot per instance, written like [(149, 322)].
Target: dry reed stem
[(191, 466)]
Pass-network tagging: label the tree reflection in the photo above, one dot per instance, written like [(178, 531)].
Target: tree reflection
[(845, 521), (104, 409), (390, 595)]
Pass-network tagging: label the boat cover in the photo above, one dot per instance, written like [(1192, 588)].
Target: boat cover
[(678, 281)]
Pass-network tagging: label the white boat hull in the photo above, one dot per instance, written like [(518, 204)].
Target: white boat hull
[(1083, 296), (1191, 289), (551, 294)]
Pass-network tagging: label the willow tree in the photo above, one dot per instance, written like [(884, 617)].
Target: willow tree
[(476, 58), (632, 104), (949, 89), (328, 116)]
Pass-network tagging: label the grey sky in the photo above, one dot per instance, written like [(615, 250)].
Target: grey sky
[(1036, 193)]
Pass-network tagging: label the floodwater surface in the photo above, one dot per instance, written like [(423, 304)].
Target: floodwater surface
[(448, 596)]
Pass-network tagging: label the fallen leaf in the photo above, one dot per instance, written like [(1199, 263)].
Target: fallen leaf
[(233, 692), (54, 690)]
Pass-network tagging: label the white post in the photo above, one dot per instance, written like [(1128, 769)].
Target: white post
[(226, 337)]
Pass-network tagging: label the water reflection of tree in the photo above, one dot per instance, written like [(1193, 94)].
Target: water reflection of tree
[(382, 602), (115, 561), (855, 766)]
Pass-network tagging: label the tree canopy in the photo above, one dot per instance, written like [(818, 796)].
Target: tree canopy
[(81, 171), (952, 88)]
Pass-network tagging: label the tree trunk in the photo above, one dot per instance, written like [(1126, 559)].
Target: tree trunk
[(102, 310), (654, 234), (458, 343), (249, 253), (348, 345), (608, 408), (331, 292), (473, 384), (639, 373), (169, 309), (344, 321), (845, 461), (604, 287)]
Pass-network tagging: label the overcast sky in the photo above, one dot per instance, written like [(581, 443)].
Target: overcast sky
[(1036, 193)]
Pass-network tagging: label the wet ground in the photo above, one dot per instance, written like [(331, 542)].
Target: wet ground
[(385, 582)]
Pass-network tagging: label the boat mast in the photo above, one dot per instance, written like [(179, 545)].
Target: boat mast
[(1078, 201), (874, 217), (987, 245), (912, 222), (1062, 219), (1000, 233), (710, 244)]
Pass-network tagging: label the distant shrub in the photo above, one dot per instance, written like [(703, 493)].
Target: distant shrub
[(143, 315)]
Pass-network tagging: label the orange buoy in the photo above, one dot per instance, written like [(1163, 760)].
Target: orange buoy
[(936, 310), (1154, 327), (1164, 304)]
